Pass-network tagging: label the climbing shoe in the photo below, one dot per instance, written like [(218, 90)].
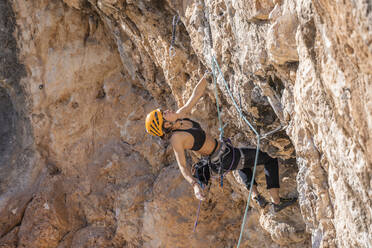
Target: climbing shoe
[(260, 200), (284, 202)]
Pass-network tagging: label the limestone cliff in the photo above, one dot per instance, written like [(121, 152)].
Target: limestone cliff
[(77, 78)]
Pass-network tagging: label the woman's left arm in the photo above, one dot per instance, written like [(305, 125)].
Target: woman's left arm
[(196, 94)]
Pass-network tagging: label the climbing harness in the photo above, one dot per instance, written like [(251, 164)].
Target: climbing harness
[(220, 164), (172, 51), (201, 171)]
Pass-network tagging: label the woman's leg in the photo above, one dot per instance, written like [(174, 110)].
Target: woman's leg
[(271, 170), (246, 175), (274, 195), (272, 177)]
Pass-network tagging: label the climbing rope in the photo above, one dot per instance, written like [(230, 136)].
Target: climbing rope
[(175, 21), (250, 192), (259, 137), (197, 216), (240, 106), (215, 63), (217, 103), (214, 66), (198, 212), (221, 129)]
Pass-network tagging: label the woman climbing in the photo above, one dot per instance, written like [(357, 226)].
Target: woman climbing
[(186, 134)]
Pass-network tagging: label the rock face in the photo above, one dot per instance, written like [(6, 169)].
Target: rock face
[(19, 162), (77, 79)]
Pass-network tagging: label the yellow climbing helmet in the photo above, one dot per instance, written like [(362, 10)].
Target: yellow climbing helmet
[(154, 123)]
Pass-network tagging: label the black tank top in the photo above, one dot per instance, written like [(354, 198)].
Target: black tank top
[(197, 132)]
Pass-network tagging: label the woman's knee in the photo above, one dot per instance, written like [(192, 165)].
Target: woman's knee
[(246, 177)]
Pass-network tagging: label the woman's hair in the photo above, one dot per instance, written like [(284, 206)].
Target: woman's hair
[(167, 132)]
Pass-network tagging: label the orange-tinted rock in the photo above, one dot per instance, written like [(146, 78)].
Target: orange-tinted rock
[(78, 169)]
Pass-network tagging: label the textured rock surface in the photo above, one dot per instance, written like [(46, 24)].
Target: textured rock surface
[(19, 163), (332, 135), (77, 78)]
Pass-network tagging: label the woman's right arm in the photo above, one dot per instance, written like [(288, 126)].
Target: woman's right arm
[(196, 95), (179, 152)]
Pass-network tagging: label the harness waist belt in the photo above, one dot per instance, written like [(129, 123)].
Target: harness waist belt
[(242, 160), (215, 156)]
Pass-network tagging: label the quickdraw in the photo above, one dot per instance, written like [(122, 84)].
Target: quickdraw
[(172, 51)]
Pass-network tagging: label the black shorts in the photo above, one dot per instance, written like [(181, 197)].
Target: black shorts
[(242, 159)]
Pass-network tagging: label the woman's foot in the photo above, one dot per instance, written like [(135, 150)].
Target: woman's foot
[(284, 202)]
